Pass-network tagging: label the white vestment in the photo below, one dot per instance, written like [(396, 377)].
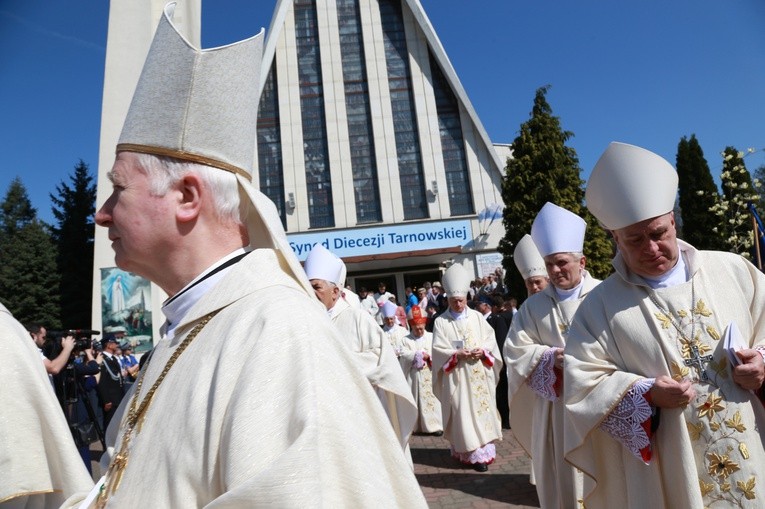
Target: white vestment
[(419, 374), (376, 359), (265, 408), (39, 463), (468, 391), (537, 422), (396, 335), (709, 454)]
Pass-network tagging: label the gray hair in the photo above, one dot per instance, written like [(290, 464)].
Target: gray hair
[(228, 201)]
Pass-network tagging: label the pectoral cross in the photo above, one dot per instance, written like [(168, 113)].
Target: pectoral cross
[(699, 362)]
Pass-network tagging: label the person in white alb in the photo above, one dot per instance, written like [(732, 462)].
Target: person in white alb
[(240, 404), (361, 334), (466, 362), (656, 414), (533, 354)]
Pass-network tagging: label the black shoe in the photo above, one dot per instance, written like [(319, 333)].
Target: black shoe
[(438, 434), (481, 467)]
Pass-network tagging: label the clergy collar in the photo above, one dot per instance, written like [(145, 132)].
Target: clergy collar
[(674, 276), (458, 316), (571, 294), (340, 305), (176, 307)]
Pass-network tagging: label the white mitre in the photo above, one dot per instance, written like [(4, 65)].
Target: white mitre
[(456, 281), (321, 263), (202, 106), (389, 309), (630, 184), (557, 230), (527, 259)]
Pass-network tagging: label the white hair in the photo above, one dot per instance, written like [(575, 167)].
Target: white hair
[(163, 172)]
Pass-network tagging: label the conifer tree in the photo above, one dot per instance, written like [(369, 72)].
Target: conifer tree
[(28, 274), (73, 234), (736, 225), (698, 196), (544, 169)]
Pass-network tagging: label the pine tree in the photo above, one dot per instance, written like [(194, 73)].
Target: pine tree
[(73, 235), (738, 191), (28, 274), (544, 169), (698, 196)]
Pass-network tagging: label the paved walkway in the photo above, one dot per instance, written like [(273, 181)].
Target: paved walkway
[(448, 484)]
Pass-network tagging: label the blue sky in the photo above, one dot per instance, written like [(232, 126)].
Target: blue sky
[(644, 72)]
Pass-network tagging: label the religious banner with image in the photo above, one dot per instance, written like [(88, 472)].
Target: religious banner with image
[(126, 304)]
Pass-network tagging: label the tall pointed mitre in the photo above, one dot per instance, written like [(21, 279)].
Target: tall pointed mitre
[(630, 184), (456, 281), (321, 263), (527, 259), (201, 106), (557, 230)]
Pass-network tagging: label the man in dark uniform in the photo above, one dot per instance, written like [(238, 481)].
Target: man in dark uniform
[(489, 306), (110, 383)]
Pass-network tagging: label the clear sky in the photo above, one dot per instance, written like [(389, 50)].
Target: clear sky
[(646, 73)]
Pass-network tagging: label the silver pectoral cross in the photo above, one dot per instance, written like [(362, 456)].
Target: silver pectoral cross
[(699, 362)]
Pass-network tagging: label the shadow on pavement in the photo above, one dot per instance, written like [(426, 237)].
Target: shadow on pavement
[(513, 489)]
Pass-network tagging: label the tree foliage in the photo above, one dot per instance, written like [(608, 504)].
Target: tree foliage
[(544, 169), (28, 274), (698, 196), (73, 234), (737, 192)]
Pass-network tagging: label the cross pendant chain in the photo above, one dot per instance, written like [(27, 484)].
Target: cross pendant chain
[(699, 362)]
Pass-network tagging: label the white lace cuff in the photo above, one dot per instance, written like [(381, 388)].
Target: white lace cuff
[(624, 423), (542, 379)]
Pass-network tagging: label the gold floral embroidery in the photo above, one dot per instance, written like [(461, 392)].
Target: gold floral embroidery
[(706, 487), (682, 313), (702, 309), (713, 333), (664, 319), (687, 345), (747, 488), (744, 450), (678, 372), (721, 466), (735, 422), (711, 406), (694, 430), (714, 426), (725, 487)]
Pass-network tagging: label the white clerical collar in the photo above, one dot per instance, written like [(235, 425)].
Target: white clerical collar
[(176, 307), (674, 276), (571, 294), (459, 316)]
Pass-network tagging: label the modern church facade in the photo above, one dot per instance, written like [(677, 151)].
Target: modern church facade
[(367, 141)]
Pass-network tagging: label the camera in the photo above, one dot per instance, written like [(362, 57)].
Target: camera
[(83, 339)]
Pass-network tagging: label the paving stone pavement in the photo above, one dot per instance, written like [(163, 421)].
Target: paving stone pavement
[(447, 484)]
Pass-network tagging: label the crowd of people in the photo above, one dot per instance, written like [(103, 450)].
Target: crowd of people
[(643, 390)]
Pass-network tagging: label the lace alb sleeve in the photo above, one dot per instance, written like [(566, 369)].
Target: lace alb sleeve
[(629, 421), (542, 379)]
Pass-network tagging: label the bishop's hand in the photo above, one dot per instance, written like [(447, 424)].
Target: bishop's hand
[(751, 372), (669, 393)]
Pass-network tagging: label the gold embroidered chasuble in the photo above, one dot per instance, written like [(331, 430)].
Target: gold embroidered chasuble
[(709, 454), (537, 423), (421, 383), (468, 392), (260, 410)]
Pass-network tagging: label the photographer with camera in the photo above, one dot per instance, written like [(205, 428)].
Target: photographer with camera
[(55, 365), (81, 409)]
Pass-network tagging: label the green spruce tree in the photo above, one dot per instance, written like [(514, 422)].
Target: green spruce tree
[(73, 234), (28, 274), (698, 196), (738, 191), (544, 169)]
